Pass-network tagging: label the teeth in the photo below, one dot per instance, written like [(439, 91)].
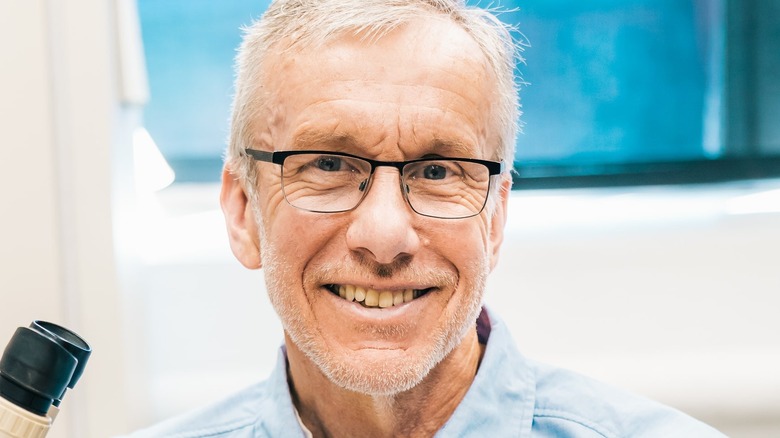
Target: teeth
[(360, 294), (374, 298), (385, 299)]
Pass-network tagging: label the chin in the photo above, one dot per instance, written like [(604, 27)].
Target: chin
[(384, 373), (380, 372)]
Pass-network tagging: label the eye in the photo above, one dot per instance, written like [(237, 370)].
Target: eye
[(434, 171), (329, 164)]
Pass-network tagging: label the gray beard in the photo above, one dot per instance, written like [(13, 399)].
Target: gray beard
[(381, 379)]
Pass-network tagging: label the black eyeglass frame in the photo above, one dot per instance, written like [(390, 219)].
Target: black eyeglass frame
[(278, 157)]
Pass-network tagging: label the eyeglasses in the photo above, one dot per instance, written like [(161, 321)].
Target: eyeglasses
[(333, 182)]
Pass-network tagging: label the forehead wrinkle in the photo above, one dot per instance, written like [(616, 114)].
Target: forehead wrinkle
[(442, 101), (327, 92), (338, 115), (315, 139), (417, 129), (423, 137)]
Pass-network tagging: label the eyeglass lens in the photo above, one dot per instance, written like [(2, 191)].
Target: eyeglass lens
[(333, 183)]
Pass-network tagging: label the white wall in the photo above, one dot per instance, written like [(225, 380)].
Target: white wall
[(670, 292), (61, 125)]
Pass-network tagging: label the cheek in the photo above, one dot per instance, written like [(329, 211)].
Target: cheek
[(299, 236), (288, 233), (463, 242)]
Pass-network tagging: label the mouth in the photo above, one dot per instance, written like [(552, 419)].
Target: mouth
[(372, 298)]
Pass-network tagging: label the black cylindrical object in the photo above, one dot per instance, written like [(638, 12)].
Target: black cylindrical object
[(70, 342), (39, 364)]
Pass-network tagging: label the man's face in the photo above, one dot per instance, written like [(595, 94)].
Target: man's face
[(423, 90)]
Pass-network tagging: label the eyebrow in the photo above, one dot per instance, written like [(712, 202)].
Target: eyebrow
[(348, 143), (309, 138), (454, 148)]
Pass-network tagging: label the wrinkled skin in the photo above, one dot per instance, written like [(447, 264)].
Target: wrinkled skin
[(422, 90)]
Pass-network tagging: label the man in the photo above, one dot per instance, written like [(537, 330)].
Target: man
[(368, 175)]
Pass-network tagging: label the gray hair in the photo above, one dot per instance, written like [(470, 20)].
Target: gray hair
[(304, 23)]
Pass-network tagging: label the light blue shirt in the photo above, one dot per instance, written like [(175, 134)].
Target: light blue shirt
[(511, 396)]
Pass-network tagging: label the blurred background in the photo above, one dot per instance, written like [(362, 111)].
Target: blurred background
[(643, 239)]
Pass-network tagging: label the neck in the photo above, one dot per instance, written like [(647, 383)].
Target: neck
[(328, 410)]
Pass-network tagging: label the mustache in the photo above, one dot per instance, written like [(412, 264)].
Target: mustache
[(402, 269), (383, 270)]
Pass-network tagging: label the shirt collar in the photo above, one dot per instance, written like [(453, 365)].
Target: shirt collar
[(500, 401)]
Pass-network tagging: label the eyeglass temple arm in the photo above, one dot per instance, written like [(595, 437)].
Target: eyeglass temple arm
[(260, 155), (499, 169)]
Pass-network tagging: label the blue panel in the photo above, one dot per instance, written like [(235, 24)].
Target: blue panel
[(611, 81), (189, 46)]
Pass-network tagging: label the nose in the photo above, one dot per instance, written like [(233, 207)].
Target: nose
[(381, 226)]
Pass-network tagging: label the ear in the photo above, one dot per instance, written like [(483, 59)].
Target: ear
[(498, 221), (240, 221)]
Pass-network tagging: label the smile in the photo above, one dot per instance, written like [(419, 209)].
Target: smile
[(368, 297)]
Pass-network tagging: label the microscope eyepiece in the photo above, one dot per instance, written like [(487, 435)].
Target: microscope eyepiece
[(35, 370), (38, 365), (68, 340)]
